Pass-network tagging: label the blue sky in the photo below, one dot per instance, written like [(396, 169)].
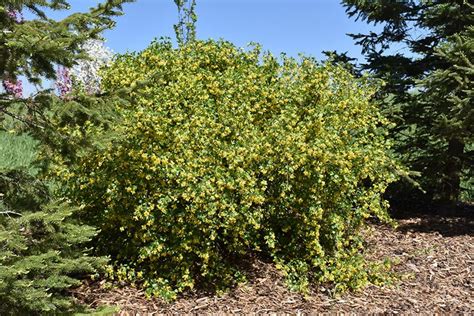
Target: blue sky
[(290, 26)]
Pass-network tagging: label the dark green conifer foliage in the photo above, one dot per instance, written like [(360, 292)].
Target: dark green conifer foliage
[(42, 256), (34, 47), (424, 54), (447, 102), (41, 250), (41, 243)]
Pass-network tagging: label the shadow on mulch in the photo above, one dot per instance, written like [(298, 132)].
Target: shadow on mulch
[(447, 221)]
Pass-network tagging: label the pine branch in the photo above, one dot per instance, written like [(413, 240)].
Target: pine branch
[(10, 212), (17, 117)]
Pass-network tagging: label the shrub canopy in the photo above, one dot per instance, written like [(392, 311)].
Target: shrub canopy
[(222, 153)]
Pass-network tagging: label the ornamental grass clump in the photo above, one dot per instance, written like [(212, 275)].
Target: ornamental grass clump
[(222, 153)]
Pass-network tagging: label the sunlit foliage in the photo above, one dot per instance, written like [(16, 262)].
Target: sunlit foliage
[(222, 153)]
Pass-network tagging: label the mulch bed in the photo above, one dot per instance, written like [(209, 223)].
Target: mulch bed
[(436, 262)]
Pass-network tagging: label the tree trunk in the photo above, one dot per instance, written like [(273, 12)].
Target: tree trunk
[(452, 183)]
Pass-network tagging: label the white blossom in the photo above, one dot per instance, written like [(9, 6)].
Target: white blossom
[(85, 73)]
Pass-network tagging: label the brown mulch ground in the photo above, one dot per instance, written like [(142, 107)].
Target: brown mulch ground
[(436, 260)]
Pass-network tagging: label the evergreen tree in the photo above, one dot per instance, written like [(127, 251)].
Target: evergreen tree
[(430, 107), (41, 244), (41, 248), (447, 103)]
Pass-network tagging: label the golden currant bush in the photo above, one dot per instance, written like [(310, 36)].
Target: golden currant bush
[(222, 153)]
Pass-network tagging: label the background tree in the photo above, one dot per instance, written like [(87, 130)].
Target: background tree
[(185, 29), (41, 244), (342, 59), (85, 74), (428, 82), (446, 100)]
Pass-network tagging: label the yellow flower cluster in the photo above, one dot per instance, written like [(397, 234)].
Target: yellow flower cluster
[(222, 152)]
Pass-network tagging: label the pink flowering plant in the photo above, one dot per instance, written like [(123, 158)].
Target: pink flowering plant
[(63, 82), (15, 15), (85, 74), (13, 87)]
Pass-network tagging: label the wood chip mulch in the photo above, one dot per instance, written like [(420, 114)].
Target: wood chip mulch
[(436, 262)]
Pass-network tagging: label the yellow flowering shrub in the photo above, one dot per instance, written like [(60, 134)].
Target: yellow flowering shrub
[(222, 153)]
